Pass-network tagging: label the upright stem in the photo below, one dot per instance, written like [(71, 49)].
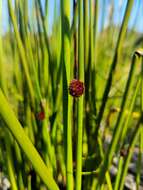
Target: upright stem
[(18, 167), (114, 63), (120, 119), (141, 143), (96, 22), (91, 58), (10, 164), (132, 143), (22, 53), (86, 33), (140, 154), (80, 100), (67, 99), (1, 61)]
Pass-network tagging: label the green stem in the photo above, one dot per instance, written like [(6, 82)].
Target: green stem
[(80, 100), (120, 165), (107, 175), (114, 62), (10, 164), (123, 134), (120, 119), (139, 162), (92, 59), (130, 152), (49, 149), (117, 185), (21, 52), (48, 48), (67, 99), (86, 33), (19, 167), (29, 182)]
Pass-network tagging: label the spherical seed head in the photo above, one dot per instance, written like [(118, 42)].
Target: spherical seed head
[(41, 115), (76, 88)]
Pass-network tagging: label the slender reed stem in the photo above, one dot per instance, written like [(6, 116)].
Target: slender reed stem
[(130, 152), (117, 185), (67, 99), (114, 62), (10, 163), (78, 182), (86, 33), (19, 166), (120, 119), (92, 59), (21, 52), (120, 166)]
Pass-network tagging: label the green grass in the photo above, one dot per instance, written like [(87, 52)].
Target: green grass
[(48, 136)]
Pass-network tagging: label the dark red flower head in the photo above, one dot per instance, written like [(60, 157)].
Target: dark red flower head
[(76, 88), (41, 115)]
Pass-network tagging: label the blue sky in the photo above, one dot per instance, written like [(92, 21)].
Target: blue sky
[(136, 18)]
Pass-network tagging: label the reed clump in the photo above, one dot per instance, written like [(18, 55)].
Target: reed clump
[(71, 95)]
